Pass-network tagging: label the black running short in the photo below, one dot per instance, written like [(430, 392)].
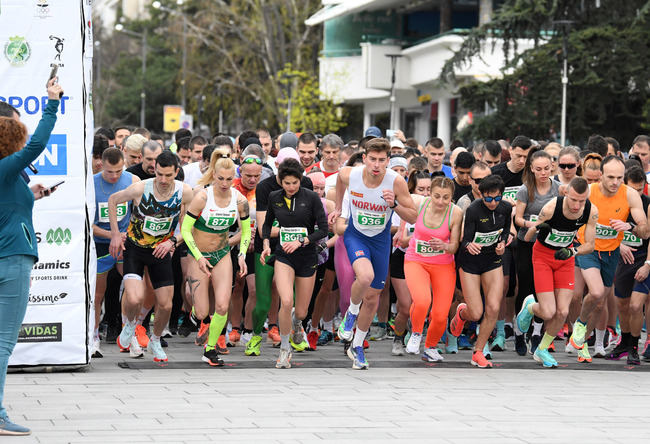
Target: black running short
[(136, 258), (480, 263)]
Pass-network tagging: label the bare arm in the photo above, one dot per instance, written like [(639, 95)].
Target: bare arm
[(132, 193), (519, 214), (544, 215), (590, 233), (456, 225), (405, 208), (639, 216)]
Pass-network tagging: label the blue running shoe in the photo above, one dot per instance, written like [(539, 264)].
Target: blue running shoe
[(325, 337), (9, 428), (451, 346), (463, 343), (545, 358), (358, 357), (524, 317), (347, 324), (486, 352)]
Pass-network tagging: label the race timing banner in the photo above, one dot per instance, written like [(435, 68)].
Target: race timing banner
[(35, 36)]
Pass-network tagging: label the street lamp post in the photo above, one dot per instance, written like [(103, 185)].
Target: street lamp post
[(393, 66), (158, 5), (143, 94), (289, 78), (566, 25)]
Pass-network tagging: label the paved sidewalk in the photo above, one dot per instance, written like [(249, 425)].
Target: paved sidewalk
[(400, 399)]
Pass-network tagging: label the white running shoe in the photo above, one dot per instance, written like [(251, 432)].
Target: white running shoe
[(95, 351), (398, 346), (413, 346), (135, 351), (570, 349), (599, 351), (166, 333), (284, 359), (245, 337), (432, 355)]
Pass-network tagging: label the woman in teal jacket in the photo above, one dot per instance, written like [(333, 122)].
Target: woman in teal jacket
[(18, 251)]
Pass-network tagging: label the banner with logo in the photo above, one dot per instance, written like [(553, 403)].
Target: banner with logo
[(36, 35)]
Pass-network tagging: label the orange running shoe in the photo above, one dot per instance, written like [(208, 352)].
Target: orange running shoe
[(273, 336), (221, 345), (234, 337), (551, 348), (202, 335), (141, 334), (456, 325), (478, 359)]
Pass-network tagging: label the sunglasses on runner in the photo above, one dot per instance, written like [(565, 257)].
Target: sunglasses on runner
[(567, 166), (490, 199), (476, 181), (252, 160)]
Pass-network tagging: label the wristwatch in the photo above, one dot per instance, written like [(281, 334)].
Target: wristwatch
[(241, 255), (394, 205), (174, 240), (301, 239), (647, 263)]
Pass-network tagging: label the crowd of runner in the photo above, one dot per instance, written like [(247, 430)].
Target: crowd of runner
[(304, 241)]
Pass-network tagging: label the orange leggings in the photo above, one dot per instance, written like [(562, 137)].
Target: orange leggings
[(438, 296)]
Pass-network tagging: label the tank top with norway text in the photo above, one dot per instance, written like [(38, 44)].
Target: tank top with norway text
[(369, 211)]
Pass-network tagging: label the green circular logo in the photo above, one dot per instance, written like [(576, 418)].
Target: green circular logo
[(17, 51)]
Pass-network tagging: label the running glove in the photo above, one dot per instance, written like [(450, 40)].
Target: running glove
[(565, 253)]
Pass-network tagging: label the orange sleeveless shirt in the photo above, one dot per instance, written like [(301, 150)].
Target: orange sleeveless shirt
[(614, 207)]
